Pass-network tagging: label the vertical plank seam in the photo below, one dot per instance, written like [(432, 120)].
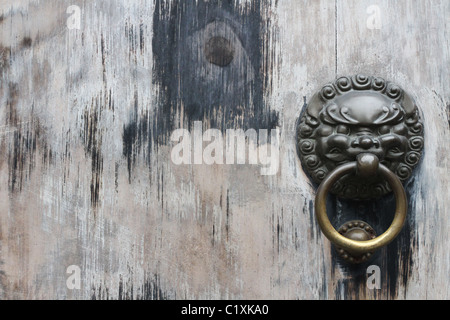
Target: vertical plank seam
[(335, 38)]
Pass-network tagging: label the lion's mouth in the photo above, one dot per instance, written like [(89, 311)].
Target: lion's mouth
[(338, 155)]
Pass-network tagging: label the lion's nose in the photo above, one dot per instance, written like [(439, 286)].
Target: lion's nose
[(366, 142)]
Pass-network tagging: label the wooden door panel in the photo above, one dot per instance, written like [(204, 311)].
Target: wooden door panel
[(89, 186)]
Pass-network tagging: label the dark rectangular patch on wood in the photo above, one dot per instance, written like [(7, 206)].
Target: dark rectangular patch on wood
[(210, 63)]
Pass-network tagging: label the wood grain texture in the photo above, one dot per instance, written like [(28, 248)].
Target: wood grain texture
[(86, 176)]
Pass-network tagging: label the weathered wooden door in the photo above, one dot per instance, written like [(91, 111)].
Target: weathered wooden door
[(119, 176)]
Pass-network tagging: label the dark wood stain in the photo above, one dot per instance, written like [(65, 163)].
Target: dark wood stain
[(91, 136), (27, 42), (219, 51), (22, 141), (178, 63), (3, 277), (150, 289), (179, 72), (4, 58), (448, 114), (136, 134)]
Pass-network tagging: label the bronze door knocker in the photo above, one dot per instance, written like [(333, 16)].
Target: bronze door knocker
[(360, 138)]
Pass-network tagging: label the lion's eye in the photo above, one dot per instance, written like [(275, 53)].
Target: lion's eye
[(336, 154), (325, 131), (335, 151), (395, 152), (384, 129), (400, 129), (342, 129)]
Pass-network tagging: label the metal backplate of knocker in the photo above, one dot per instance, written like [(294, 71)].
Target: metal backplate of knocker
[(366, 134), (354, 115)]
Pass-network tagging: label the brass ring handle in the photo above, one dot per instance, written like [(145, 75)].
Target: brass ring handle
[(364, 164)]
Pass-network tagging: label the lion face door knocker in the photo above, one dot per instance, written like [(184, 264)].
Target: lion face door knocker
[(360, 138)]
